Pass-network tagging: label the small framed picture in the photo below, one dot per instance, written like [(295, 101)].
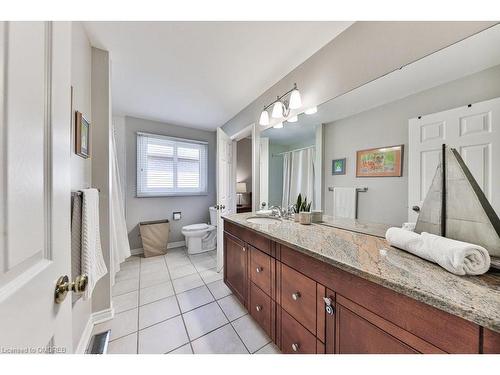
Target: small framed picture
[(82, 135), (338, 166)]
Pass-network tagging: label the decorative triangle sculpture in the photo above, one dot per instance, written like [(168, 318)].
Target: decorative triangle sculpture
[(456, 207)]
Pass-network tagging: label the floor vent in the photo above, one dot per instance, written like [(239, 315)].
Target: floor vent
[(99, 343)]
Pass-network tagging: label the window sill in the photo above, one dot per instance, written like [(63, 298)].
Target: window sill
[(159, 195)]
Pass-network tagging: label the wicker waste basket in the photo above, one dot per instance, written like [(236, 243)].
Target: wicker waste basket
[(154, 236)]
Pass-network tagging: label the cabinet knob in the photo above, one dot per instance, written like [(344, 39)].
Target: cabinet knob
[(259, 269), (258, 308), (295, 347), (295, 296)]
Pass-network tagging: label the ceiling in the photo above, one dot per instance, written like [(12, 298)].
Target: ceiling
[(201, 74), (469, 56)]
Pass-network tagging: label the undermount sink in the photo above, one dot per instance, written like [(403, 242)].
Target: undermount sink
[(263, 220)]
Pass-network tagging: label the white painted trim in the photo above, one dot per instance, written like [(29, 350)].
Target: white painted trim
[(170, 245), (94, 318)]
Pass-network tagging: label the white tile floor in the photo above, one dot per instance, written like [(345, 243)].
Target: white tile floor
[(178, 304)]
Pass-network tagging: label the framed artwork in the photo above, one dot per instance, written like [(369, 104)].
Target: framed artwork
[(338, 166), (380, 162), (82, 135)]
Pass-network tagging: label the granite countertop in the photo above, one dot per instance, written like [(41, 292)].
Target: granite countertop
[(474, 298)]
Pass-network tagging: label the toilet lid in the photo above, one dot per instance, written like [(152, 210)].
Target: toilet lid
[(195, 227)]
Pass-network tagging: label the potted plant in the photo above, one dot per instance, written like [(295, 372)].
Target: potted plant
[(303, 210)]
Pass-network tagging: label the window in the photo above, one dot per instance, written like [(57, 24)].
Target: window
[(170, 166)]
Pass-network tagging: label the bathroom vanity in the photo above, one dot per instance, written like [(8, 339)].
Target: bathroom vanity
[(318, 289)]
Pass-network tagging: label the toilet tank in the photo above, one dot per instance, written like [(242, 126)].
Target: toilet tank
[(213, 215)]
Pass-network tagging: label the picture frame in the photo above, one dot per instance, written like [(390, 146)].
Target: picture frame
[(338, 166), (380, 162), (82, 135)]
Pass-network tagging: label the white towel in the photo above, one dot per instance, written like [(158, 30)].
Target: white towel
[(460, 258), (92, 260), (344, 202)]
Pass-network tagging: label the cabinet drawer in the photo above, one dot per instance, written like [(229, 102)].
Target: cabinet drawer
[(260, 269), (260, 308), (295, 339), (298, 297)]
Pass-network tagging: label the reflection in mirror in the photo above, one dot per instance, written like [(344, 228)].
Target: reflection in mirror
[(293, 164), (450, 97)]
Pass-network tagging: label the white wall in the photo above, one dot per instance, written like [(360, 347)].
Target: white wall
[(363, 52), (194, 208), (101, 178), (387, 198), (80, 168)]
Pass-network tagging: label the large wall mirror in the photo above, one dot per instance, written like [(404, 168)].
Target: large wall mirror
[(377, 147)]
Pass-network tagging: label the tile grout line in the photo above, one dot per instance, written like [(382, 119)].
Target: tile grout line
[(216, 301), (179, 306)]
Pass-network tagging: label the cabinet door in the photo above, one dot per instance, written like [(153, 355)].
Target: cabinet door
[(356, 335), (235, 267)]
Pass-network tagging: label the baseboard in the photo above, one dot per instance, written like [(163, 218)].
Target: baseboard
[(94, 318), (170, 245)]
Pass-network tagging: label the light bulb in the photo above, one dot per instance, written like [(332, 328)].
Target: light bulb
[(295, 100), (279, 125), (264, 118), (277, 110), (310, 111), (293, 119)]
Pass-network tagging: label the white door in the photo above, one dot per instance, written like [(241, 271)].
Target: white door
[(264, 171), (35, 61), (474, 131), (225, 195)]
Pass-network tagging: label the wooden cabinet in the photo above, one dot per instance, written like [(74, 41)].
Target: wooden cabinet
[(235, 267), (287, 293), (260, 269), (261, 308), (295, 339), (298, 297)]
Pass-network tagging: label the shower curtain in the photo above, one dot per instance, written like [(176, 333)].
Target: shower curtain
[(120, 247), (298, 176)]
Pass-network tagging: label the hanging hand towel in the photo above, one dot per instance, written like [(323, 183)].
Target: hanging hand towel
[(344, 202), (460, 258), (92, 259)]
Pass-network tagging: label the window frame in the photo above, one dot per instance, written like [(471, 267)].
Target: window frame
[(159, 192)]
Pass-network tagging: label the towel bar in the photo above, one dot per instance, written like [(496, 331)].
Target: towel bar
[(80, 193), (358, 189)]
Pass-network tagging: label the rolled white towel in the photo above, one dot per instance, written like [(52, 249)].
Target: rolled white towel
[(460, 258)]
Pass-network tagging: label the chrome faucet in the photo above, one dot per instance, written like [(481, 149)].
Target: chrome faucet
[(282, 213), (276, 211)]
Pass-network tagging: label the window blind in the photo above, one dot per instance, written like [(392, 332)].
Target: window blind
[(170, 166)]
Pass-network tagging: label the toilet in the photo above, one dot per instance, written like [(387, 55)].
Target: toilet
[(202, 237)]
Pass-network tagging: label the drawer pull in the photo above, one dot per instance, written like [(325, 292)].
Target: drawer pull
[(259, 269), (295, 296), (258, 308), (295, 347)]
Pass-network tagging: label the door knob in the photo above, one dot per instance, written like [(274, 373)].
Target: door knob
[(416, 208), (222, 207), (295, 347), (63, 286), (295, 296), (258, 308)]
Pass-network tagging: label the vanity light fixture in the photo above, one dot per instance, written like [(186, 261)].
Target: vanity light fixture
[(311, 111), (295, 100), (281, 106), (278, 110), (264, 118), (292, 119)]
